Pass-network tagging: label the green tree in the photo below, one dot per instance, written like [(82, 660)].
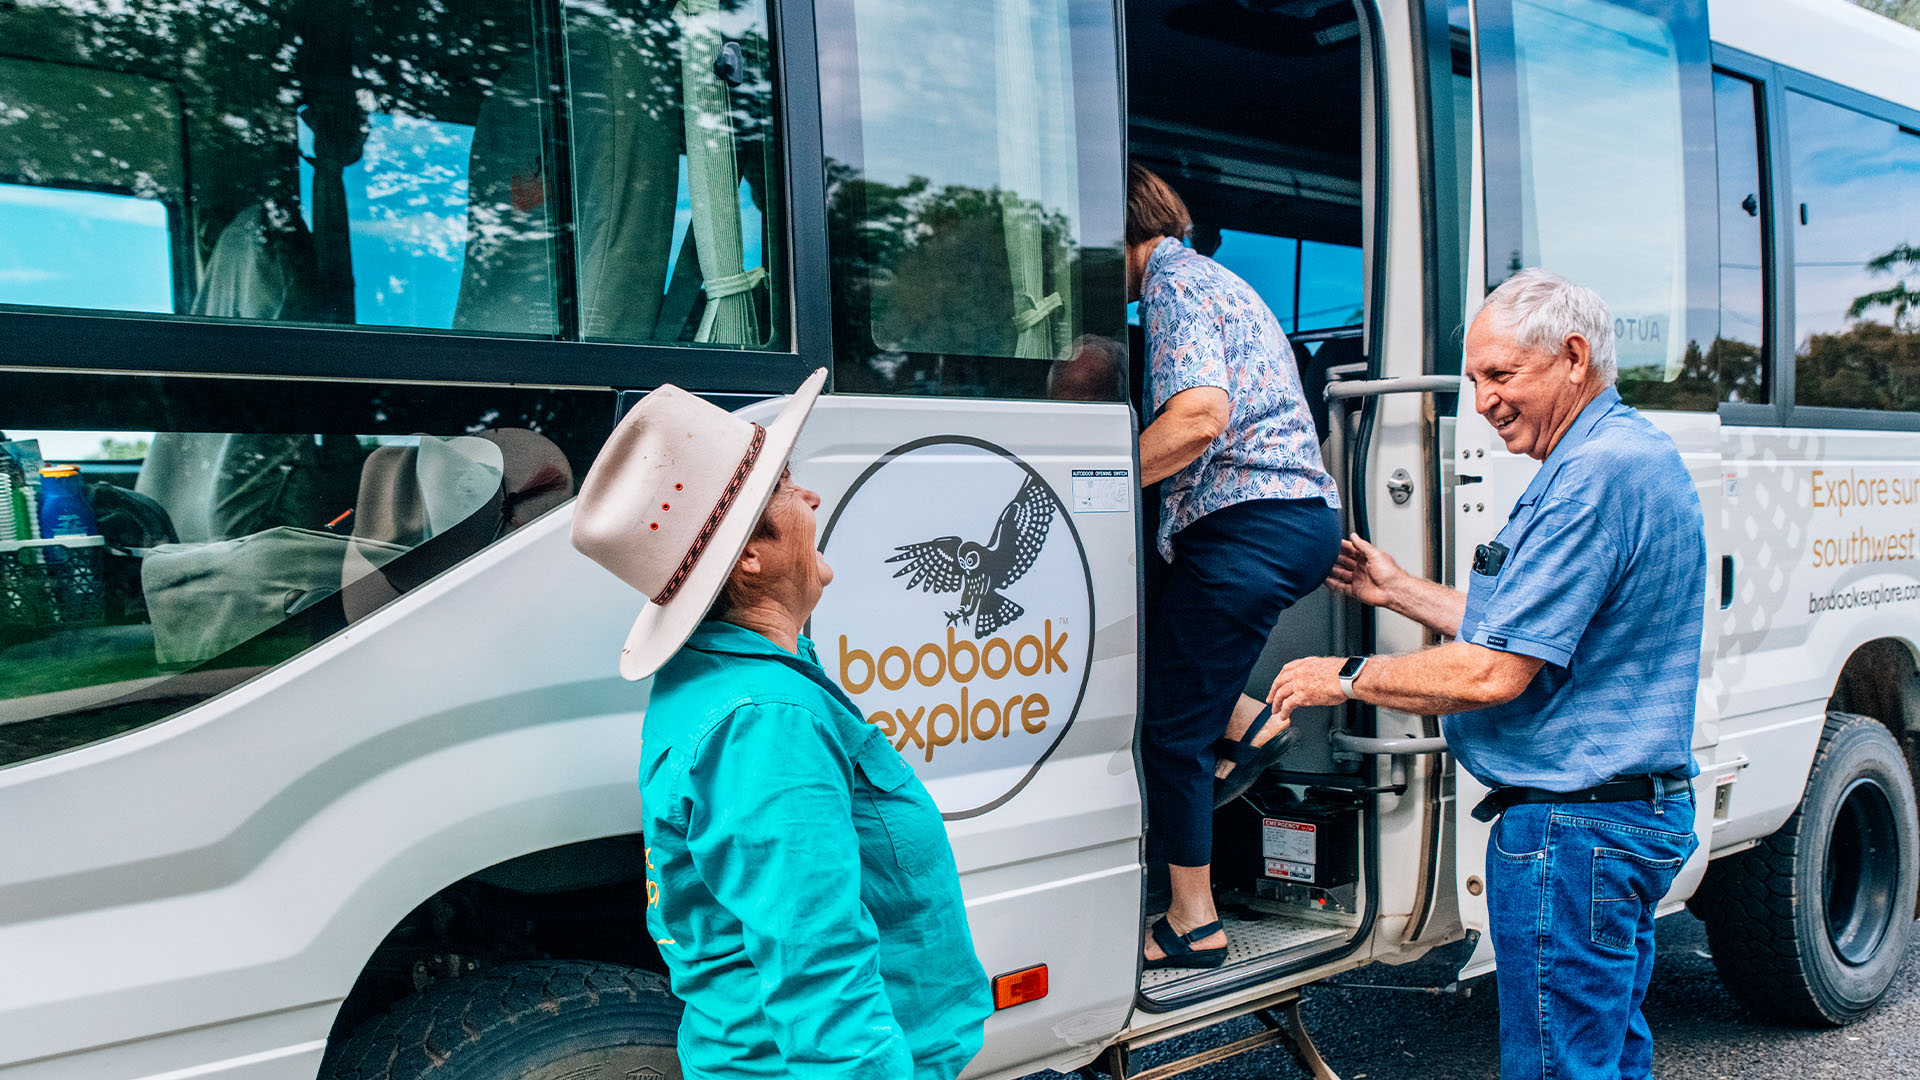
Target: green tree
[(926, 296), (1906, 11), (1902, 299), (112, 449), (1867, 366)]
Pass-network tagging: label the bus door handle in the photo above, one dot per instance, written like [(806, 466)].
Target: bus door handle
[(1348, 743), (1399, 750), (1412, 384)]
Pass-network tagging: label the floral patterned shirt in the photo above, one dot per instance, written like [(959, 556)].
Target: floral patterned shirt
[(1206, 327)]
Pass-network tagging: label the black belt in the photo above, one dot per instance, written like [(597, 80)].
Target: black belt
[(1625, 789)]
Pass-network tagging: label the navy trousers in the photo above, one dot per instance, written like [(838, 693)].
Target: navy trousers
[(1209, 615)]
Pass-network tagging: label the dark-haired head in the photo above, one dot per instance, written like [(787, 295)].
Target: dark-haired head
[(1153, 209)]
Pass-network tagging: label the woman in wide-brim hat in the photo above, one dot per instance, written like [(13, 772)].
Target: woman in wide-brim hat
[(799, 881)]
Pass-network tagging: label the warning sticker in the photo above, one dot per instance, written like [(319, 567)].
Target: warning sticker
[(1289, 871), (1102, 491), (1294, 841)]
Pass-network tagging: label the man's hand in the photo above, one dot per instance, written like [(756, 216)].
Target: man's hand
[(1308, 681), (1370, 576), (1365, 573)]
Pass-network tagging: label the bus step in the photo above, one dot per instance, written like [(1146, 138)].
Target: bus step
[(1283, 1024)]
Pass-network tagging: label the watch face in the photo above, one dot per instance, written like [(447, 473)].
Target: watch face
[(1352, 667)]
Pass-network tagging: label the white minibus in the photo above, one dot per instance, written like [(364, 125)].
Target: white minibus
[(314, 758)]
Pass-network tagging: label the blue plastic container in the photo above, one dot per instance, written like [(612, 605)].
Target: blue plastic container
[(64, 510)]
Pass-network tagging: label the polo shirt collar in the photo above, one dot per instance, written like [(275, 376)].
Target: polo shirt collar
[(1577, 433)]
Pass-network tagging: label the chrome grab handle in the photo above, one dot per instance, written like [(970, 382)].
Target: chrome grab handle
[(1347, 743), (1412, 384)]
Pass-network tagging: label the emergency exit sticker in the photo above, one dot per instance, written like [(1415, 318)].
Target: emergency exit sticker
[(1294, 841), (1102, 491), (1290, 848)]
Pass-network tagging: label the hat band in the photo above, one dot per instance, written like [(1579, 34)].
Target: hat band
[(705, 536)]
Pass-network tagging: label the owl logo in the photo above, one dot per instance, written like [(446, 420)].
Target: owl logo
[(979, 571)]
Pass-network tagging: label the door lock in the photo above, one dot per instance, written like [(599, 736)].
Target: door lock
[(1400, 486)]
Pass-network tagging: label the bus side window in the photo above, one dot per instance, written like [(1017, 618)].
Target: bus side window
[(220, 554), (674, 164), (1855, 182), (308, 161), (94, 198), (1736, 362), (973, 183), (1598, 159)]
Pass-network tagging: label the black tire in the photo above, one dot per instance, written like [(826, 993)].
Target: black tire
[(539, 1020), (1810, 926)]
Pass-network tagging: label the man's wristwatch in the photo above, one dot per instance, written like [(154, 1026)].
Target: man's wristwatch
[(1350, 671)]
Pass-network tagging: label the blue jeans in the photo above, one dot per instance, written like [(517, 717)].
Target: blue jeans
[(1571, 889)]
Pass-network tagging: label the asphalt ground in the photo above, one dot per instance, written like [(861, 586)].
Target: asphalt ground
[(1699, 1032)]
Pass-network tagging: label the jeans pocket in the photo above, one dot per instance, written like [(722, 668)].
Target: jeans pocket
[(1519, 834), (1625, 885)]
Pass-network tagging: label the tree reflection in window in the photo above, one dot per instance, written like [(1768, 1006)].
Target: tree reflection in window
[(958, 210), (1856, 185)]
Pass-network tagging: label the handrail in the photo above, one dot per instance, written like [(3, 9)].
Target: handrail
[(1412, 384), (1360, 744)]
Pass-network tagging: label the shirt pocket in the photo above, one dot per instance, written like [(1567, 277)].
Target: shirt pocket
[(1480, 586), (900, 805)]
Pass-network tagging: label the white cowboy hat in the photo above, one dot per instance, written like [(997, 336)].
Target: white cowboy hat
[(670, 502)]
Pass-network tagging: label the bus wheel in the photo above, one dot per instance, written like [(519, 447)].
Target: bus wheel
[(1810, 926), (538, 1020)]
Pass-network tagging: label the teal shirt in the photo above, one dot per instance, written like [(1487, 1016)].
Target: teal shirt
[(799, 880)]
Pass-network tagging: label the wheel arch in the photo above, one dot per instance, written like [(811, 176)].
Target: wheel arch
[(583, 901), (1785, 916), (1881, 679)]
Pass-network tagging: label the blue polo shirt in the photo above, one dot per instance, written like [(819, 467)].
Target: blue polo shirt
[(1605, 580)]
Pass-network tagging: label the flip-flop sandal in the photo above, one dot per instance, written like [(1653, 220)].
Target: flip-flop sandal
[(1179, 949), (1249, 761)]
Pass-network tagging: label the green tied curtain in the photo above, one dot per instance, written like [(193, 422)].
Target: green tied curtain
[(713, 174), (1036, 140)]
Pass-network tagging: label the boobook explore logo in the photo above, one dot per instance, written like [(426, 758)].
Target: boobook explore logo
[(960, 620)]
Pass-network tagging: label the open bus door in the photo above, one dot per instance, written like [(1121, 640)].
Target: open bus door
[(1595, 160), (983, 614)]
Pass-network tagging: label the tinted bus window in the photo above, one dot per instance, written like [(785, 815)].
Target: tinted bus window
[(324, 161), (406, 214), (974, 194), (1271, 264), (200, 558), (1734, 367), (392, 164), (1330, 276), (674, 164), (1856, 243), (1598, 165), (78, 249), (1308, 284)]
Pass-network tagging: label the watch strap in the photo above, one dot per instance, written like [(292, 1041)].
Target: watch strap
[(1357, 664)]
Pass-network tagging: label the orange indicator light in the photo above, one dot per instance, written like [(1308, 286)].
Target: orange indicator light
[(1019, 987)]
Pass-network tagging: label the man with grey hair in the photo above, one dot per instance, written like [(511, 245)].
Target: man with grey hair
[(1569, 686)]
